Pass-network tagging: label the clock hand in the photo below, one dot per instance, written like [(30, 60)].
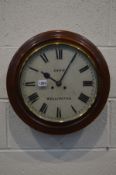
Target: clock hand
[(47, 75), (60, 81)]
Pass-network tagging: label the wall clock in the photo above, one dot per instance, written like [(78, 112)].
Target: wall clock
[(58, 82)]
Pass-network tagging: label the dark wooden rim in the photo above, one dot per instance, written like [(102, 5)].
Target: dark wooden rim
[(13, 82)]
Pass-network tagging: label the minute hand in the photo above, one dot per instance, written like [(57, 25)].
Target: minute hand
[(68, 67)]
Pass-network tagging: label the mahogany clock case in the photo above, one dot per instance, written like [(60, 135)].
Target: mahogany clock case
[(13, 77)]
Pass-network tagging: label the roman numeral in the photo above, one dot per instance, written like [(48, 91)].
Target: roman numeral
[(58, 113), (74, 110), (33, 69), (33, 97), (83, 69), (59, 53), (29, 83), (43, 108), (87, 83), (84, 98), (44, 57)]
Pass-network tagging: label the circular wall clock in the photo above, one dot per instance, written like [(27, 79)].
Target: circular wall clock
[(58, 82)]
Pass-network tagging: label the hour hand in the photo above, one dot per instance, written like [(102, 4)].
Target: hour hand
[(48, 76)]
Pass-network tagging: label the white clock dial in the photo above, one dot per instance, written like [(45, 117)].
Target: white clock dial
[(58, 82)]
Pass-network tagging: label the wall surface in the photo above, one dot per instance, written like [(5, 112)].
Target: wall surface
[(87, 152)]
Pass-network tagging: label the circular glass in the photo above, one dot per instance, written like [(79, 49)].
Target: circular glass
[(58, 82)]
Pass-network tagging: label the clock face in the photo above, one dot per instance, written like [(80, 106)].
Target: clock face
[(58, 82)]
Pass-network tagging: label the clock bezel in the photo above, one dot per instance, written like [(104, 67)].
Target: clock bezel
[(13, 76)]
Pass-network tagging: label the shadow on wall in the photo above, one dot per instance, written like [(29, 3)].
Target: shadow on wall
[(59, 147)]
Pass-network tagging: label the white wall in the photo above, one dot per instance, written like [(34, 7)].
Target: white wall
[(87, 152)]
